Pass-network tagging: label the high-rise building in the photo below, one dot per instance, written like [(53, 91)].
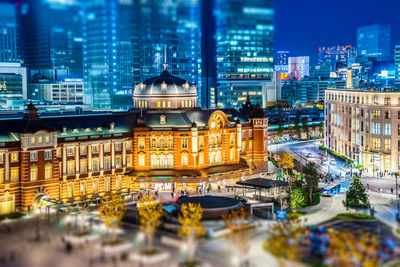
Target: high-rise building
[(9, 51), (299, 67), (132, 48), (281, 61), (374, 41), (13, 81), (51, 35), (244, 40), (336, 56), (397, 65)]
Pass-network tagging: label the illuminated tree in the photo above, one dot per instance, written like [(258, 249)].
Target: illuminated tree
[(150, 212), (350, 249), (111, 210), (306, 127), (237, 222), (311, 178), (190, 219), (356, 198), (284, 239), (297, 128), (287, 161), (279, 131), (290, 131), (297, 199)]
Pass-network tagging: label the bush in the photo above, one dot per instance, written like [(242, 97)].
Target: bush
[(337, 155), (14, 215)]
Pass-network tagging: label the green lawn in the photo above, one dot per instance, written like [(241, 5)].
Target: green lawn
[(295, 214), (353, 216)]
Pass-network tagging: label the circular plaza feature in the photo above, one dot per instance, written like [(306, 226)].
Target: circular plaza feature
[(213, 206)]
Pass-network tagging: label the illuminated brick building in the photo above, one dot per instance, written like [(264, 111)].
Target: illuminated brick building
[(46, 159)]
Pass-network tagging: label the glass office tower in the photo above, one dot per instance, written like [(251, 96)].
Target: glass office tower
[(374, 41), (51, 34), (244, 40), (9, 51), (124, 44)]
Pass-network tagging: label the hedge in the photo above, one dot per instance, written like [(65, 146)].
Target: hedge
[(337, 155)]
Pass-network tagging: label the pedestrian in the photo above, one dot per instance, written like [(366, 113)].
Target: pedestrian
[(391, 190)]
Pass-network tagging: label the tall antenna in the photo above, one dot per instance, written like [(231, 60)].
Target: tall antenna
[(165, 58)]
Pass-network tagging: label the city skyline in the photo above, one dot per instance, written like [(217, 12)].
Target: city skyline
[(310, 25)]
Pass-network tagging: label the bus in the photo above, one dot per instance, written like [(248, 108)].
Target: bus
[(330, 190)]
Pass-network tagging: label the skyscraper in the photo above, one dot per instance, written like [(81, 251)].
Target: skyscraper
[(335, 56), (130, 46), (374, 41), (51, 35), (244, 40), (281, 61), (299, 67), (9, 51), (397, 65)]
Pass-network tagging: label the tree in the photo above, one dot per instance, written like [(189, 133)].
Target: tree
[(297, 128), (306, 127), (237, 221), (279, 131), (311, 178), (297, 199), (190, 219), (150, 212), (284, 240), (352, 249), (111, 210), (356, 198), (287, 161), (290, 131), (321, 128)]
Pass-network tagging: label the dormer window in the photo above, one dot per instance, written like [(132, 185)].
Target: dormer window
[(99, 129), (142, 86), (75, 131), (87, 130), (164, 86), (163, 119), (185, 85)]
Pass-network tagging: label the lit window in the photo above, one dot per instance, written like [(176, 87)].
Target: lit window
[(184, 159), (83, 166), (34, 173), (117, 146), (142, 159), (250, 145), (232, 138), (1, 175), (184, 142), (201, 158), (388, 129), (48, 171), (95, 164), (376, 143), (232, 154), (70, 167), (40, 139), (71, 189), (141, 142), (95, 149), (1, 158), (34, 156), (47, 139), (106, 147), (58, 152), (82, 150), (201, 141), (15, 174), (128, 145), (118, 162), (387, 144), (107, 163), (70, 151), (33, 140), (129, 160)]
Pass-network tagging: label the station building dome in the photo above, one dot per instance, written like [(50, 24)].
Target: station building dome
[(165, 92)]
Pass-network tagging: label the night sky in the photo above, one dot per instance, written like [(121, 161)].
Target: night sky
[(303, 25)]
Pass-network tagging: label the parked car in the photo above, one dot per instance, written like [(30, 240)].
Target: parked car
[(241, 198)]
